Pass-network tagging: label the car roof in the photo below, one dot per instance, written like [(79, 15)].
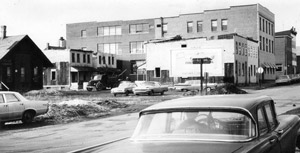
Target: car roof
[(243, 101), (4, 92)]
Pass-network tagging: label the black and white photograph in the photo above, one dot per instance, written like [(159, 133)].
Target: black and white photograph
[(149, 76)]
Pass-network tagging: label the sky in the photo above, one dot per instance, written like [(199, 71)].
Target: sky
[(45, 20)]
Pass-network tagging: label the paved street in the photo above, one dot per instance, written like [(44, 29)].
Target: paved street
[(68, 137)]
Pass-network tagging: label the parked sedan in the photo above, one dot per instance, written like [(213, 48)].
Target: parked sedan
[(190, 85), (149, 87), (125, 87), (210, 124), (13, 106), (283, 79)]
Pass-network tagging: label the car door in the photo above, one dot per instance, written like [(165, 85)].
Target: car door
[(15, 106), (3, 108), (268, 139)]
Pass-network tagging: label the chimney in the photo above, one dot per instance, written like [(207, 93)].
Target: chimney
[(3, 32), (62, 42)]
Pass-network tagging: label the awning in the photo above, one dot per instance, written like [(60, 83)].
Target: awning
[(265, 65)]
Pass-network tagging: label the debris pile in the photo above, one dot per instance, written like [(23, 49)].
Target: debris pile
[(77, 110), (227, 89)]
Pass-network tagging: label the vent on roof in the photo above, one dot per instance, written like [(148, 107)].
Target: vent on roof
[(3, 32)]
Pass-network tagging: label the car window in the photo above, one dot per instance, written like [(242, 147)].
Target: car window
[(195, 125), (270, 116), (1, 98), (262, 124), (11, 98)]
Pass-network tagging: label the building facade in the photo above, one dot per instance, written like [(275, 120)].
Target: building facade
[(21, 63), (126, 37), (73, 68), (285, 51), (234, 59)]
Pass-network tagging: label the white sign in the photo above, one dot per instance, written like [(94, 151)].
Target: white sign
[(260, 70), (182, 62)]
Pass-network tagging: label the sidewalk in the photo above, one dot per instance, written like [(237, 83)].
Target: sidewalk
[(258, 87)]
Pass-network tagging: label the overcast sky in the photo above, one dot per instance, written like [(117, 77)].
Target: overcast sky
[(45, 20)]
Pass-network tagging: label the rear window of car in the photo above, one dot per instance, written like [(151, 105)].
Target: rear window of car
[(196, 125)]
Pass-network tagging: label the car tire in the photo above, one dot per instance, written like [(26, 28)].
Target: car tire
[(89, 89), (27, 117), (2, 124), (162, 93), (115, 95), (150, 93), (127, 93)]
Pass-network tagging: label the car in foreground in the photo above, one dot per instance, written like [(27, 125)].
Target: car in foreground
[(283, 79), (13, 107), (125, 87), (209, 124), (194, 85), (149, 88)]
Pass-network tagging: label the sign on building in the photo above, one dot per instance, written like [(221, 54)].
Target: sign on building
[(182, 62)]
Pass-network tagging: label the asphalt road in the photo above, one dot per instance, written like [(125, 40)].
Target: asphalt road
[(73, 136)]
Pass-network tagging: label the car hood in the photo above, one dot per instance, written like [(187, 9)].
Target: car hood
[(168, 147)]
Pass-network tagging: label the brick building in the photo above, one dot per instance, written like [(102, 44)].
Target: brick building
[(124, 39), (285, 51)]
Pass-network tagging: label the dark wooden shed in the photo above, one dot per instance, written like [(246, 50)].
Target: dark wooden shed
[(21, 64)]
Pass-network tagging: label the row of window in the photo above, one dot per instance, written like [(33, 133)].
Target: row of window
[(214, 25), (245, 50), (266, 44), (266, 26), (135, 47), (241, 69), (117, 30), (86, 58), (102, 60)]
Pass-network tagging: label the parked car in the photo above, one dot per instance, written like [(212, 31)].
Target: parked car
[(210, 124), (149, 87), (190, 85), (125, 87), (283, 79), (13, 107)]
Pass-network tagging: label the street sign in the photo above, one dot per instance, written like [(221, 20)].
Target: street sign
[(260, 70), (204, 60)]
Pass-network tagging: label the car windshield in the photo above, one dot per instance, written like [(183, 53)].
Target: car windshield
[(126, 84), (202, 125)]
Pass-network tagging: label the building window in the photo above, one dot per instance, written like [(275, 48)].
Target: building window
[(157, 72), (53, 74), (272, 46), (263, 24), (109, 31), (199, 26), (267, 49), (137, 47), (139, 28), (83, 58), (22, 74), (260, 23), (263, 44), (224, 24), (239, 69), (243, 69), (214, 25), (103, 59), (100, 59), (111, 48), (260, 43), (240, 48), (108, 60), (73, 57), (83, 33), (112, 60), (88, 59), (189, 27), (279, 67), (78, 58), (165, 28), (236, 47)]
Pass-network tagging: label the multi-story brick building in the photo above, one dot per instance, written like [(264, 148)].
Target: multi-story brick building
[(285, 51), (124, 39)]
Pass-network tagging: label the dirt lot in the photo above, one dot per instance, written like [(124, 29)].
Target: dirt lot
[(74, 106)]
